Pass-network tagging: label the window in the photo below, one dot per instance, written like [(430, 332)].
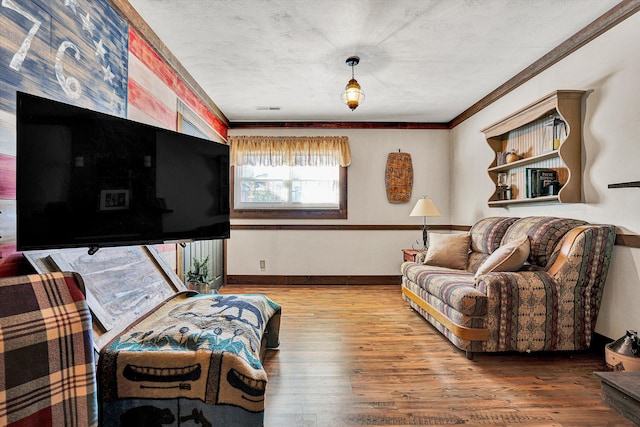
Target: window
[(285, 177)]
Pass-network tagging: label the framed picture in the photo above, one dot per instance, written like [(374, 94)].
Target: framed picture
[(112, 200), (122, 284)]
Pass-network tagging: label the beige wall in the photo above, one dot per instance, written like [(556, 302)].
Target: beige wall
[(609, 69), (352, 252)]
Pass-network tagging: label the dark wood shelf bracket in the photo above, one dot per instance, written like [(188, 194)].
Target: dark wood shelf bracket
[(625, 184)]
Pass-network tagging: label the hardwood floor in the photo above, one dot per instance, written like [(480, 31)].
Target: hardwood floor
[(358, 355)]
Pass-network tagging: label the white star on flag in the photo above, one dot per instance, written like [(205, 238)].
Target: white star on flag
[(87, 25), (100, 50), (71, 4), (108, 75)]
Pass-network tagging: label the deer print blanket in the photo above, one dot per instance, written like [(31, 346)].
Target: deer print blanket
[(194, 360)]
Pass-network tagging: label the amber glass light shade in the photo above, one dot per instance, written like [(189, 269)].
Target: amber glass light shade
[(352, 95)]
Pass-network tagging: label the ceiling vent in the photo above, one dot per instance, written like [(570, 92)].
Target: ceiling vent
[(267, 108)]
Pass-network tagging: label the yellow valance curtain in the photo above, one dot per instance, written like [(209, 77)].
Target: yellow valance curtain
[(290, 150)]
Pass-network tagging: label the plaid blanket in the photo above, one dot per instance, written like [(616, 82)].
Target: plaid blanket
[(193, 359), (47, 374)]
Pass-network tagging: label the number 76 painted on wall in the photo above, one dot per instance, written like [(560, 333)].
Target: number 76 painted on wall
[(34, 29)]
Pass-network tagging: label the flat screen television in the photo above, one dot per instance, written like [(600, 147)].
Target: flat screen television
[(88, 179)]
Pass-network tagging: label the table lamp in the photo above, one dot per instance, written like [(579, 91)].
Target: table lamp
[(424, 208)]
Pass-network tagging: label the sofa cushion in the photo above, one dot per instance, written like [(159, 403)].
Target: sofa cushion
[(476, 259), (455, 287), (544, 234), (487, 233), (508, 257), (458, 318), (448, 250)]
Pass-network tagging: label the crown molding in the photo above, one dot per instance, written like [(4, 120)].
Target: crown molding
[(608, 20), (340, 125)]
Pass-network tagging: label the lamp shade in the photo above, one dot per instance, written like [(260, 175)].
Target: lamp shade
[(425, 207)]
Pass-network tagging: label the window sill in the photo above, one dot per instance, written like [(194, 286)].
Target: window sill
[(289, 214)]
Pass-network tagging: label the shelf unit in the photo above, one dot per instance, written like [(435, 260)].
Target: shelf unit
[(523, 132)]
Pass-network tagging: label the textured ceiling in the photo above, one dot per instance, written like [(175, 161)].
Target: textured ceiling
[(420, 60)]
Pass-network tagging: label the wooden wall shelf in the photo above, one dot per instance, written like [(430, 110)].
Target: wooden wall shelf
[(524, 162), (523, 132)]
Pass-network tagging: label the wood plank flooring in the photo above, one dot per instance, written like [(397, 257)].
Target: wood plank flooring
[(358, 355)]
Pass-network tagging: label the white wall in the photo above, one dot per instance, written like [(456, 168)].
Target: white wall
[(609, 69), (351, 252)]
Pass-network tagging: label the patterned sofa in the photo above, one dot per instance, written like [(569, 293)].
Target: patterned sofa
[(550, 304)]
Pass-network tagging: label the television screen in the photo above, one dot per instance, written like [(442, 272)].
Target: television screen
[(88, 179)]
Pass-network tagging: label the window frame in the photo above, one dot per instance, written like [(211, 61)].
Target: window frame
[(302, 213)]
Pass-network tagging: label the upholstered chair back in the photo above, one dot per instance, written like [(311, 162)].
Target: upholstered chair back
[(486, 236), (544, 235)]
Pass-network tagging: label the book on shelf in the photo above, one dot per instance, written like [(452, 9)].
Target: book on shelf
[(538, 181)]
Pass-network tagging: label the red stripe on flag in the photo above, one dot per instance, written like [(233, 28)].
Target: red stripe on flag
[(12, 263), (146, 55), (7, 177), (144, 101), (151, 59)]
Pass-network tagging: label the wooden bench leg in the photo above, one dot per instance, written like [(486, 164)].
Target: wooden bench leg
[(469, 354)]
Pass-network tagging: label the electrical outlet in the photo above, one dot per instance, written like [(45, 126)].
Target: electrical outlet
[(263, 265)]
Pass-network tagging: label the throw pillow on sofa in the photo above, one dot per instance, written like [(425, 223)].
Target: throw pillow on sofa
[(509, 257), (448, 250)]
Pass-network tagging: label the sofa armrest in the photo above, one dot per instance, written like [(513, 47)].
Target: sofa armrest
[(555, 309), (566, 247), (582, 266), (521, 310), (584, 246)]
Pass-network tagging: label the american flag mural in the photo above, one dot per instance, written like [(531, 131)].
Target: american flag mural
[(82, 53)]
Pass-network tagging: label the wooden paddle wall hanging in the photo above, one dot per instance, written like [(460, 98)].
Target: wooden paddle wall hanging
[(398, 177)]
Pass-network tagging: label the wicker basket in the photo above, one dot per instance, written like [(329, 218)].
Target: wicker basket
[(620, 362)]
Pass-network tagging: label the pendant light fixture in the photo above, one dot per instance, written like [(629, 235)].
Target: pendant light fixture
[(352, 94)]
